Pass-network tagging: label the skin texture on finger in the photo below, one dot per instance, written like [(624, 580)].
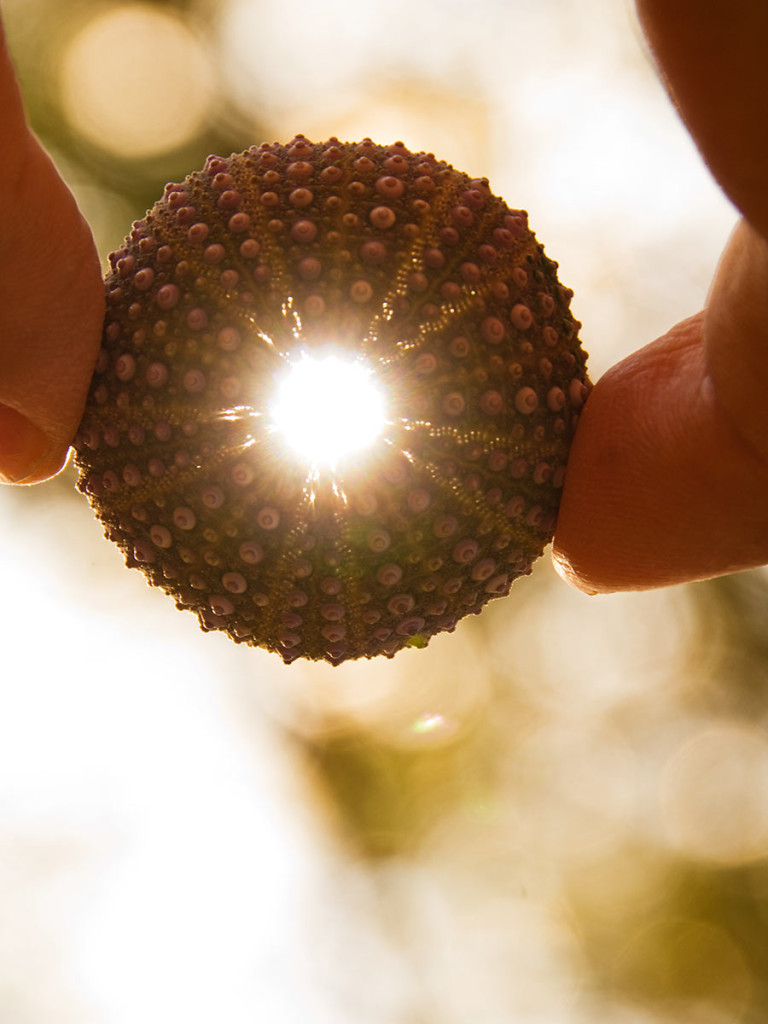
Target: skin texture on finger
[(668, 478), (736, 335), (712, 55), (51, 300)]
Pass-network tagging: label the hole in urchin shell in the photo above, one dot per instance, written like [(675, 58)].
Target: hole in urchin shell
[(327, 408)]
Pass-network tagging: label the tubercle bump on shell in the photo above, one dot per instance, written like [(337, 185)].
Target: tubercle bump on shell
[(401, 259)]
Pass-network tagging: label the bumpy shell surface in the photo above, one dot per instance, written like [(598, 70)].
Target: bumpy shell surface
[(445, 293)]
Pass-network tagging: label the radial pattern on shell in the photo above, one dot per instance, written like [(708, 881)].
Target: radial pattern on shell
[(373, 252)]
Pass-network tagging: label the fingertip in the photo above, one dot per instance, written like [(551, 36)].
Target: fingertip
[(27, 453), (568, 573), (660, 488)]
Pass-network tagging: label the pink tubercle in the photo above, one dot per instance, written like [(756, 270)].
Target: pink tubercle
[(314, 305), (465, 551), (515, 507), (221, 179), (212, 497), (299, 170), (578, 392), (301, 197), (418, 282), (242, 474), (268, 518), (382, 217), (333, 612), (424, 364), (410, 626), (157, 374), (197, 319), (483, 569), (234, 582), (194, 381), (239, 222), (389, 575), (184, 518), (453, 403), (549, 334), (390, 187), (330, 175), (228, 199), (498, 585), (334, 632), (460, 347), (521, 316), (125, 367), (309, 268), (143, 279), (373, 252), (555, 399), (400, 604), (250, 552), (304, 231), (220, 605), (168, 296), (160, 536), (445, 526), (143, 552), (185, 215), (228, 339), (250, 248), (492, 329), (288, 639), (198, 232), (491, 402), (526, 401), (462, 216), (360, 291), (451, 291), (214, 253), (418, 500), (379, 540)]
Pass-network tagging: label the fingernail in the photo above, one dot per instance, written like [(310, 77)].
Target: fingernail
[(23, 446), (566, 572)]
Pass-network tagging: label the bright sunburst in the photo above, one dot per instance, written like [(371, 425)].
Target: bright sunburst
[(326, 408)]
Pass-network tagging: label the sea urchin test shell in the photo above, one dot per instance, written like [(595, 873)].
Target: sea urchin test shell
[(437, 291)]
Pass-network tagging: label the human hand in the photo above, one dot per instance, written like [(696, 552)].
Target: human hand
[(668, 476), (51, 300)]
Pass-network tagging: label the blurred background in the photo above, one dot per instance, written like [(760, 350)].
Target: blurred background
[(556, 815)]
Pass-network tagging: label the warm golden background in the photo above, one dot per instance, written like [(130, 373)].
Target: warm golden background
[(557, 815)]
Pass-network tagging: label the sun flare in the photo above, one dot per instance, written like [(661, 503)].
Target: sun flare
[(327, 408)]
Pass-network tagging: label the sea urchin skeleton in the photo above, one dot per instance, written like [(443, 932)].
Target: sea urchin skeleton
[(332, 251)]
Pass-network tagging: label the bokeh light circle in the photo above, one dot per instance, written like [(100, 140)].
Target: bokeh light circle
[(136, 81), (715, 795)]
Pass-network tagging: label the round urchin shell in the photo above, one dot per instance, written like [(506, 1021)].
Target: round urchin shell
[(445, 294)]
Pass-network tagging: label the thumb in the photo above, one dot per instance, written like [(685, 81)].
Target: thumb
[(663, 485), (669, 476), (51, 300)]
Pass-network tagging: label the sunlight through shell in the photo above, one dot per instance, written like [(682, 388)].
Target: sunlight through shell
[(372, 254)]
